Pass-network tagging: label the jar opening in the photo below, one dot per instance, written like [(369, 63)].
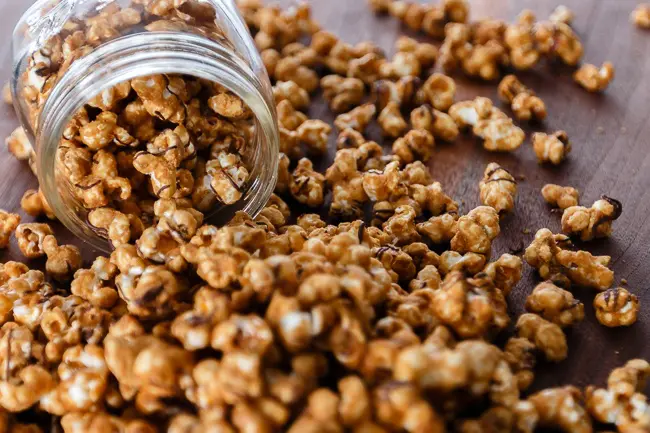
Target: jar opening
[(174, 57)]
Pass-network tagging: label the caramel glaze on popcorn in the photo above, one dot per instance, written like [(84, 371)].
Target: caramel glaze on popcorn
[(297, 274)]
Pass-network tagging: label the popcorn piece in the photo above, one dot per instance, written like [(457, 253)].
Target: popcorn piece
[(439, 91), (500, 135), (616, 307), (547, 254), (505, 272), (162, 174), (401, 226), (403, 64), (357, 119), (594, 222), (402, 92), (62, 261), (19, 146), (520, 355), (555, 305), (470, 263), (498, 188), (594, 79), (307, 185), (469, 307), (562, 197), (31, 237), (483, 61), (391, 121), (558, 40), (315, 134), (562, 408), (562, 14), (425, 53), (8, 224), (440, 124), (476, 231), (34, 203), (439, 229), (622, 402), (290, 91), (228, 175), (227, 104), (552, 148), (417, 144), (525, 105), (641, 16), (469, 113), (6, 94), (97, 284), (547, 337), (159, 102), (117, 227), (291, 69), (342, 93)]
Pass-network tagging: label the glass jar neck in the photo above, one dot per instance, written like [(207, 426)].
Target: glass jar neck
[(147, 54)]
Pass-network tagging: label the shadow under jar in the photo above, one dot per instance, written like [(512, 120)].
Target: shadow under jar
[(144, 108)]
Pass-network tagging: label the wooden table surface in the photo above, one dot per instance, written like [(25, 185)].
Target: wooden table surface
[(611, 155)]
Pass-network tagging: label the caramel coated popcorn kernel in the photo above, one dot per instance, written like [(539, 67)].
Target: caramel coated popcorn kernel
[(525, 105), (593, 222), (616, 307), (498, 188), (555, 304), (593, 78), (548, 337), (562, 197), (552, 148), (8, 224), (641, 16)]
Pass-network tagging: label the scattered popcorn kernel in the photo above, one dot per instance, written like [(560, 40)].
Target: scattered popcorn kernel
[(476, 231), (439, 91), (440, 124), (594, 222), (555, 305), (525, 105), (562, 408), (641, 16), (8, 224), (357, 119), (552, 148), (342, 93), (307, 185), (562, 14), (417, 144), (391, 121), (498, 188), (547, 337), (6, 94), (562, 197), (499, 135), (19, 146), (62, 261), (616, 307), (30, 238), (593, 78)]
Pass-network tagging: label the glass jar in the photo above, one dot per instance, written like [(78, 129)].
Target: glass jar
[(69, 52)]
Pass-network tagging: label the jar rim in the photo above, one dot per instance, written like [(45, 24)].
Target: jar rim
[(141, 54)]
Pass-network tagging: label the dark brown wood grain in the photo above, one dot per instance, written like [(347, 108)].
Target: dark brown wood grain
[(611, 155)]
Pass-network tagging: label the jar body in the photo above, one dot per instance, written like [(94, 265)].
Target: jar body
[(84, 63)]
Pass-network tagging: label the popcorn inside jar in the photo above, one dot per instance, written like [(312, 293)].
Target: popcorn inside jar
[(133, 103), (167, 138)]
